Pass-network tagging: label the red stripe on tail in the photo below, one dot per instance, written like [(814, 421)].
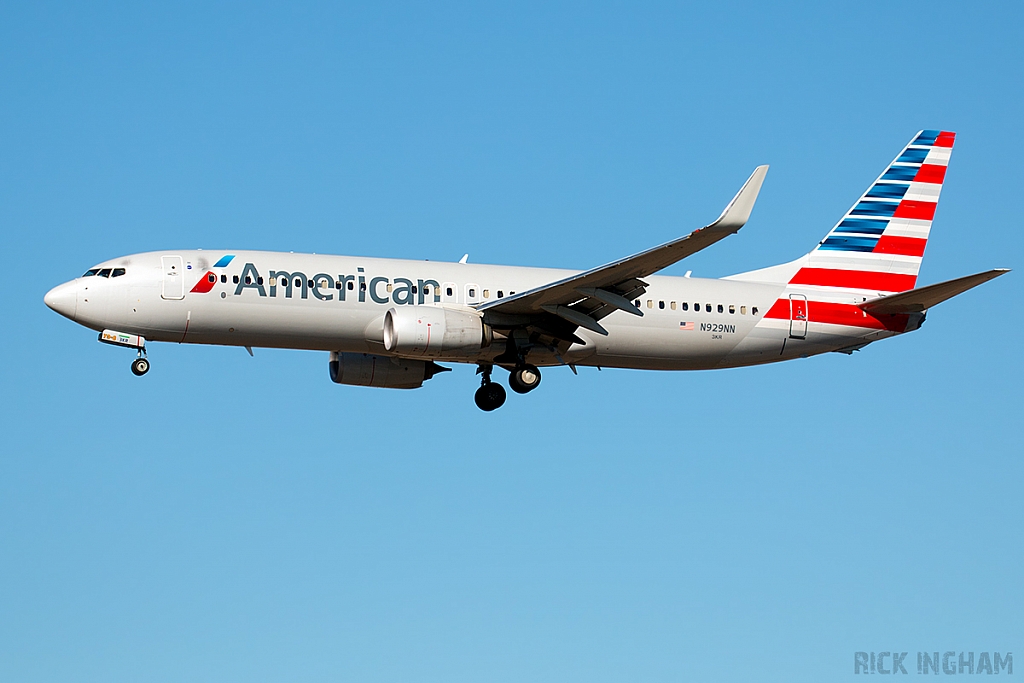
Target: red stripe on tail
[(854, 279), (930, 173), (922, 211), (840, 314), (903, 246)]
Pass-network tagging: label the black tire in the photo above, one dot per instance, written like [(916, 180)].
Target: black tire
[(490, 396), (140, 366), (524, 379)]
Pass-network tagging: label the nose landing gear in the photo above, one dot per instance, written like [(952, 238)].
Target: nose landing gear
[(491, 395), (140, 366)]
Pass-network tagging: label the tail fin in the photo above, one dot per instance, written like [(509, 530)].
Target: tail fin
[(878, 244)]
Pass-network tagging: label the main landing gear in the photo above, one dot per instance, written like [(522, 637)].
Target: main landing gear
[(524, 379), (491, 395)]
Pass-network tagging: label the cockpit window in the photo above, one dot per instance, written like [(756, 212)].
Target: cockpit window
[(118, 272), (91, 272), (104, 273)]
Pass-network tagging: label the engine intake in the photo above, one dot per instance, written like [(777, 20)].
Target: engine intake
[(368, 370), (434, 331)]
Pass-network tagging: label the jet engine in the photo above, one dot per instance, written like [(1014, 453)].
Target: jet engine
[(368, 370), (434, 331)]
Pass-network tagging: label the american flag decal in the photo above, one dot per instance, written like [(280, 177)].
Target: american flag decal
[(686, 326)]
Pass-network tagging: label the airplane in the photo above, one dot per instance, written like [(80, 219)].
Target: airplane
[(390, 323)]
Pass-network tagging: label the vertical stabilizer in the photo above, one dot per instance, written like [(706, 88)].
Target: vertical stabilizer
[(877, 246)]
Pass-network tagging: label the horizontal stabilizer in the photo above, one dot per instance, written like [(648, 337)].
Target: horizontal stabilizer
[(923, 298)]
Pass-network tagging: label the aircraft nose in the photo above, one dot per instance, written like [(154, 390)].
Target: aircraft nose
[(63, 299)]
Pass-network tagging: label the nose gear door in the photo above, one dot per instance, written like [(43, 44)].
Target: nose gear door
[(174, 277)]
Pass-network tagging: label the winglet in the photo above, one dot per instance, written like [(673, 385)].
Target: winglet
[(738, 211)]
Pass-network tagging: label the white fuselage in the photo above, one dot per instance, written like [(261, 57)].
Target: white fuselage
[(160, 297)]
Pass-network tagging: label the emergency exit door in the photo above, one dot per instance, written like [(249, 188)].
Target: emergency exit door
[(174, 278), (797, 316)]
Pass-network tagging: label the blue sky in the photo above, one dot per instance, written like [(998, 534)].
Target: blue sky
[(242, 519)]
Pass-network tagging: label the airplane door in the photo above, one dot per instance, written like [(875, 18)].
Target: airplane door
[(797, 316), (449, 293), (174, 277)]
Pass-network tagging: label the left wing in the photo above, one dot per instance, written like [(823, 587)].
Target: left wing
[(581, 300)]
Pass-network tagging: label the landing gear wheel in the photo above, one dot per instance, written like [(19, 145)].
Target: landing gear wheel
[(140, 366), (490, 396), (524, 379)]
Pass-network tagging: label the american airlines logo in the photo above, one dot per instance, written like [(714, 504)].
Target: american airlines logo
[(323, 286), (950, 663)]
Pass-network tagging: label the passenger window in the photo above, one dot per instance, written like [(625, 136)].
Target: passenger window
[(487, 294), (743, 310), (707, 307), (426, 290), (351, 285), (389, 287), (259, 280), (650, 303), (673, 305), (500, 294), (448, 290), (685, 306), (362, 286), (311, 284), (637, 303), (248, 280), (118, 272), (298, 282), (223, 278), (91, 272), (732, 309), (211, 277), (661, 305), (234, 278), (337, 284), (104, 273), (753, 310), (511, 293), (721, 309), (472, 292), (414, 289), (696, 308)]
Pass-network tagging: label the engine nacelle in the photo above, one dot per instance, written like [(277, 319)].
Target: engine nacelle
[(368, 370), (434, 331)]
